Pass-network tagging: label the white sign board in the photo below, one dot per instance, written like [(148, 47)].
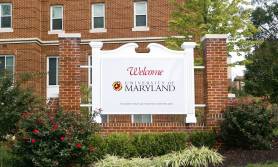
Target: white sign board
[(158, 82)]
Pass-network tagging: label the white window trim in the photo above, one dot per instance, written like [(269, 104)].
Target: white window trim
[(51, 23), (89, 66), (132, 117), (98, 30), (6, 62), (140, 28), (52, 90), (56, 32), (6, 29)]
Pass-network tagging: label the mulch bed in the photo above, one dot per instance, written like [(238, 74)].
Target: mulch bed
[(240, 158)]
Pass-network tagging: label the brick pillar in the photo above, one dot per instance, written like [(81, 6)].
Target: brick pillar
[(69, 72), (216, 77)]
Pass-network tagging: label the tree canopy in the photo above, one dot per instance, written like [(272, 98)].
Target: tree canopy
[(265, 18), (261, 78), (194, 18)]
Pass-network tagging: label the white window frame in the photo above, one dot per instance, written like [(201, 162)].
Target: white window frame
[(98, 30), (10, 29), (132, 118), (140, 28), (89, 67), (6, 62), (51, 20), (52, 90)]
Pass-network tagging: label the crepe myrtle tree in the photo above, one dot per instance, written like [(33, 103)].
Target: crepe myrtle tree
[(13, 102)]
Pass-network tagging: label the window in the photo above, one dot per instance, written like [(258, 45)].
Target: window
[(98, 17), (52, 77), (56, 23), (142, 118), (104, 118), (140, 16), (7, 65), (5, 16), (53, 72)]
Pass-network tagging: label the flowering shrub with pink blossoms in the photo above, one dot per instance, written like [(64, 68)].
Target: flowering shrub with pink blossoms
[(55, 139)]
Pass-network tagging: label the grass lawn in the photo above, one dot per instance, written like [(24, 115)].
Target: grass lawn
[(268, 164)]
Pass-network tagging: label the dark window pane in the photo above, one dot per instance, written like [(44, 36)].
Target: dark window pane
[(10, 64), (2, 65), (57, 24), (52, 71), (141, 20), (91, 77), (6, 22), (104, 118), (98, 22)]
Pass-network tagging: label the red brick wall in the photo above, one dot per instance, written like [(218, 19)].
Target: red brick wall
[(153, 127), (216, 79), (31, 19), (26, 20), (28, 60), (69, 73)]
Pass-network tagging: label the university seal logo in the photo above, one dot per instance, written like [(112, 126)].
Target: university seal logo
[(117, 86)]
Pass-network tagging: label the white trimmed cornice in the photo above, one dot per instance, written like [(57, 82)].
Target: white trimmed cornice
[(83, 41)]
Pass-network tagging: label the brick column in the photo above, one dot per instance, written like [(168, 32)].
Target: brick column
[(69, 72), (216, 77)]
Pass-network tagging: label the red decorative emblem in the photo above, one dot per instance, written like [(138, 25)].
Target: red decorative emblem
[(117, 86)]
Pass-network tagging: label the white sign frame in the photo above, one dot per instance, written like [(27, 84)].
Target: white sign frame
[(156, 51)]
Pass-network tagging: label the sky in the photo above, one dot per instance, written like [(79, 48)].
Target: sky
[(237, 70)]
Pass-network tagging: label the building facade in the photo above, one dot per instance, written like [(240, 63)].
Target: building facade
[(30, 43)]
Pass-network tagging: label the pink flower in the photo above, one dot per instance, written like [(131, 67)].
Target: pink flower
[(55, 127), (33, 141), (36, 131), (78, 145), (62, 138)]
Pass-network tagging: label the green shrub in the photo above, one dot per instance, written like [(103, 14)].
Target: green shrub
[(9, 159), (148, 145), (100, 146), (55, 139), (120, 145), (6, 157), (142, 145), (13, 102), (247, 126), (200, 139), (191, 157), (275, 132), (115, 161)]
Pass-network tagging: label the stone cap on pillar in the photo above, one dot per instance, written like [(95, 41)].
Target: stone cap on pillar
[(214, 36), (187, 45), (69, 35)]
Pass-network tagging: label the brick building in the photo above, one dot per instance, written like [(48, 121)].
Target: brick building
[(32, 40)]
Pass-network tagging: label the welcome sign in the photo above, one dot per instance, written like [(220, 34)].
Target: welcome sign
[(158, 82)]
